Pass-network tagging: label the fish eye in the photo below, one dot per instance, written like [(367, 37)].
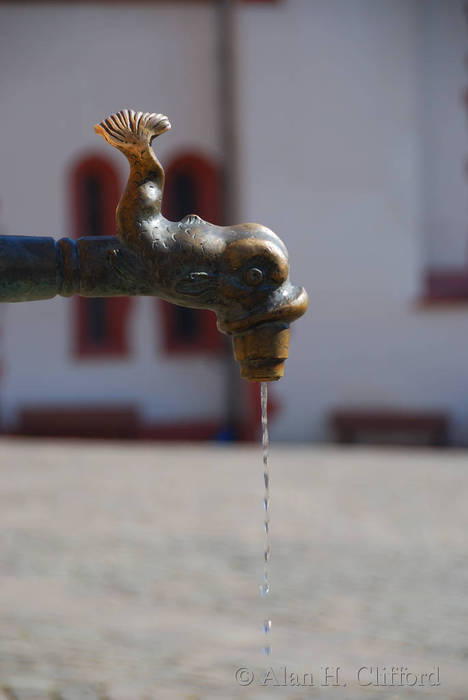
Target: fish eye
[(253, 276)]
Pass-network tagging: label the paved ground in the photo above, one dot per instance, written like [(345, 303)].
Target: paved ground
[(131, 572)]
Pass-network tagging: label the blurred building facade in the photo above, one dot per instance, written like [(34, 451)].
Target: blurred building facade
[(352, 145)]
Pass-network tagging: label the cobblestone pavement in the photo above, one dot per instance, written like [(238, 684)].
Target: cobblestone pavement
[(131, 572)]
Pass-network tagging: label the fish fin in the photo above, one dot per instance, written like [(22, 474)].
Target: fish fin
[(195, 283), (131, 131), (192, 219)]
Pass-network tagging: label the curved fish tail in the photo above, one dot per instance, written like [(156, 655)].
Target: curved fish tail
[(131, 131)]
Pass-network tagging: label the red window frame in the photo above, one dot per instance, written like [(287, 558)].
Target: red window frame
[(206, 177), (444, 287), (116, 308)]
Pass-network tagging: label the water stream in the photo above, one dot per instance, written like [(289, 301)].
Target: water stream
[(265, 587)]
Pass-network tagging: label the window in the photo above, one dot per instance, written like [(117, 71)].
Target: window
[(192, 187), (444, 95), (100, 323)]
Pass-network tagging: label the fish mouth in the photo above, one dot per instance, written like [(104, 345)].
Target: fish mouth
[(287, 308)]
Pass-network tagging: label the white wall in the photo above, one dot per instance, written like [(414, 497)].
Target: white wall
[(63, 68), (332, 154), (341, 102), (444, 80)]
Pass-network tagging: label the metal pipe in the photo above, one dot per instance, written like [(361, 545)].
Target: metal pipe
[(34, 268)]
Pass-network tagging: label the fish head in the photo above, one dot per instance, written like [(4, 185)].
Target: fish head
[(254, 284), (242, 273)]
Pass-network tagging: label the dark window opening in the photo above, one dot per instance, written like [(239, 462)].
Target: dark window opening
[(98, 320), (101, 322), (92, 205), (185, 195), (98, 312), (186, 326), (192, 187), (186, 321)]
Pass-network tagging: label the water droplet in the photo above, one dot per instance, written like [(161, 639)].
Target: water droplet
[(266, 626)]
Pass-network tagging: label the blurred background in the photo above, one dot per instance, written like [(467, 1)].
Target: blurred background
[(130, 570), (341, 125)]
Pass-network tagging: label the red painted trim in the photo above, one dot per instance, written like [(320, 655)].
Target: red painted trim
[(207, 178), (189, 431), (129, 2), (351, 424), (90, 421), (445, 303), (117, 310), (116, 422), (444, 287), (94, 165)]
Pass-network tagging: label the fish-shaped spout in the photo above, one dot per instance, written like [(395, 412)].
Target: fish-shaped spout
[(241, 272)]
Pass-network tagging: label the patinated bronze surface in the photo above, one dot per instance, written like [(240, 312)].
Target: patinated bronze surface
[(240, 272)]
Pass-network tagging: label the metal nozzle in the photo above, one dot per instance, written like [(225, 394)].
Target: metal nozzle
[(262, 351)]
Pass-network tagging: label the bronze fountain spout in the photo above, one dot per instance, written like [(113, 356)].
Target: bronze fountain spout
[(239, 272)]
